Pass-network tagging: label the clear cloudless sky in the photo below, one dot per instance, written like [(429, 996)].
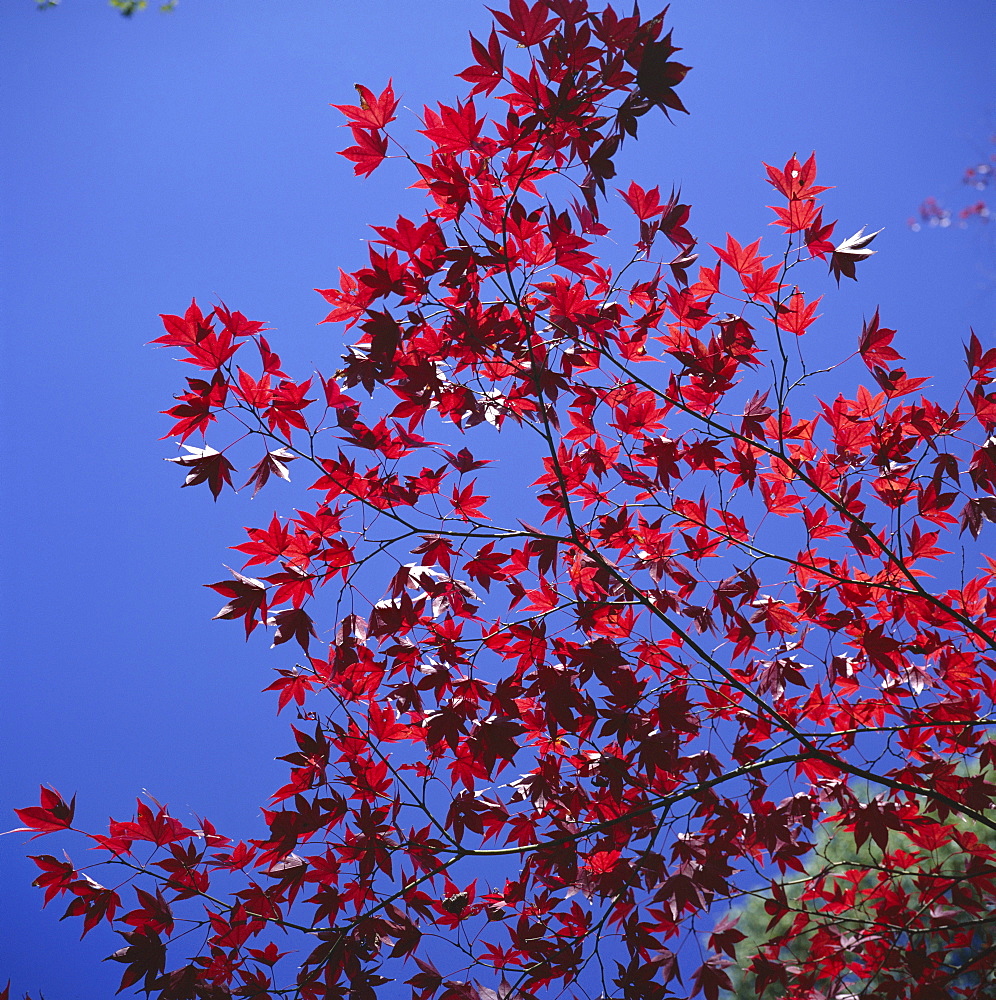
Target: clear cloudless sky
[(149, 160)]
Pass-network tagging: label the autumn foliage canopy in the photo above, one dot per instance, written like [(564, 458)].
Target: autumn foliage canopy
[(606, 603)]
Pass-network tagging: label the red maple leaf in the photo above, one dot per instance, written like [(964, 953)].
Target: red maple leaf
[(53, 814), (467, 504), (368, 152), (743, 260), (248, 597), (487, 71), (795, 179), (796, 316), (453, 129), (206, 466), (272, 463), (658, 75), (874, 345), (373, 112), (158, 827), (849, 253), (818, 237), (525, 24), (646, 204), (145, 956), (294, 623)]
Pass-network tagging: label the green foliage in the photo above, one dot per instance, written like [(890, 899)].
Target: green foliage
[(128, 7), (944, 903)]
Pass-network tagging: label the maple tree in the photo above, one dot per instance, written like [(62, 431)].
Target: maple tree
[(559, 707)]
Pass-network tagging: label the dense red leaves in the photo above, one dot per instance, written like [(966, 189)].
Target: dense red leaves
[(534, 759)]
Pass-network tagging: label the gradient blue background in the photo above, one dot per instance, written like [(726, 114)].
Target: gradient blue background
[(149, 160)]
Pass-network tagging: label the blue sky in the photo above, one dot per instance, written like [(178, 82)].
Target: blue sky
[(151, 160)]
